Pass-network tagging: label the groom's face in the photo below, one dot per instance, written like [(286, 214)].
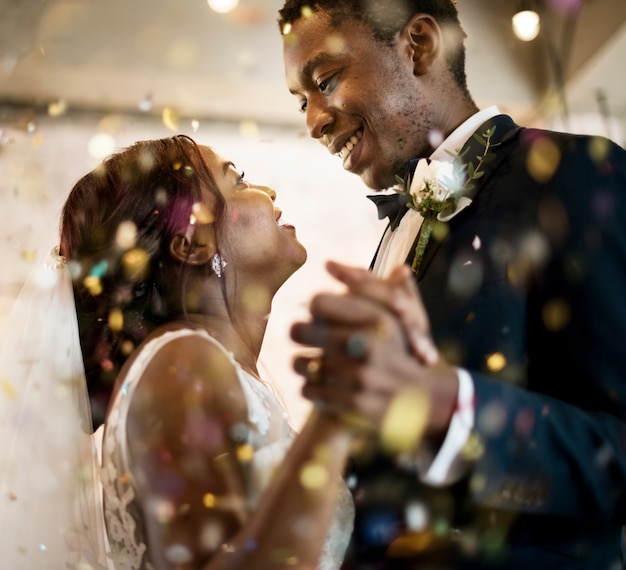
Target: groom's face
[(360, 98)]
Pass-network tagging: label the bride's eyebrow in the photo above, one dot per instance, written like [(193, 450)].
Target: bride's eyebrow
[(226, 166)]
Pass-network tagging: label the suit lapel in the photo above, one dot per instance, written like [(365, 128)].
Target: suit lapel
[(373, 262), (505, 131)]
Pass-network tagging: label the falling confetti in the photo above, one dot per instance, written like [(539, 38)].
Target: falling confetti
[(57, 108), (496, 361), (313, 475), (543, 159), (170, 118), (404, 423), (8, 389)]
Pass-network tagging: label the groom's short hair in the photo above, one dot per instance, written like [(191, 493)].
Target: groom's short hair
[(386, 18)]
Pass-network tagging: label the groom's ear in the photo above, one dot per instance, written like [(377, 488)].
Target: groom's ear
[(196, 246), (425, 41)]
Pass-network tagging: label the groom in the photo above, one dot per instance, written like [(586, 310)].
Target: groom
[(511, 451)]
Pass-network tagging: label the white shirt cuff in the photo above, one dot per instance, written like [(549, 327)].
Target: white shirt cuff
[(449, 465)]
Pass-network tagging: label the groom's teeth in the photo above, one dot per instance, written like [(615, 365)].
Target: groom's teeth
[(350, 144)]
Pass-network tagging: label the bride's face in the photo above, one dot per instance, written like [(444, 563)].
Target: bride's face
[(258, 241)]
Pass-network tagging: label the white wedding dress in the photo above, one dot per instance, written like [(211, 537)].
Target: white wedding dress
[(269, 434)]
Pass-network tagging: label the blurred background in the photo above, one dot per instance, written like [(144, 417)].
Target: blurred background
[(82, 78)]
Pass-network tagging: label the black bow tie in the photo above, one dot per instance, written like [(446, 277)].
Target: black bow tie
[(393, 206)]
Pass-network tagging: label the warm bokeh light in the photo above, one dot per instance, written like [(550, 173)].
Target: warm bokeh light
[(101, 146), (526, 25), (403, 425), (314, 475), (223, 6)]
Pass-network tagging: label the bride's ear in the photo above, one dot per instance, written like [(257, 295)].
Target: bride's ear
[(196, 246)]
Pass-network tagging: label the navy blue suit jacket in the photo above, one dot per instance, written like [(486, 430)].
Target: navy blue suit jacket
[(527, 292)]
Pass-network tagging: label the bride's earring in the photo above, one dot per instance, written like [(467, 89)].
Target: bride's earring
[(218, 264)]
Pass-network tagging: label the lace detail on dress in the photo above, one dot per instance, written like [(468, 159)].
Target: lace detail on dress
[(120, 512), (339, 532), (258, 415)]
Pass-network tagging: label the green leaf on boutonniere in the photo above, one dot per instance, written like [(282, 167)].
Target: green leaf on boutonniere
[(436, 191)]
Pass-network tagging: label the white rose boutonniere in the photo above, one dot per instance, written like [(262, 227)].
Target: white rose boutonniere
[(437, 190)]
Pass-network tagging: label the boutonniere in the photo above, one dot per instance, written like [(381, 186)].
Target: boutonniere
[(437, 189)]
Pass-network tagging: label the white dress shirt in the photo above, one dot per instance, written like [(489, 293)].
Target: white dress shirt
[(448, 465)]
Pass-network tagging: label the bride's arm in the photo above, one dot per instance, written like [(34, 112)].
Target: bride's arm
[(290, 525), (190, 477), (291, 522)]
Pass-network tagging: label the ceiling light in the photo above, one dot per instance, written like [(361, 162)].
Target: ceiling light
[(223, 6), (526, 24)]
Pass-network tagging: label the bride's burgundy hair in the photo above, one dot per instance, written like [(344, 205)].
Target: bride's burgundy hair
[(153, 185)]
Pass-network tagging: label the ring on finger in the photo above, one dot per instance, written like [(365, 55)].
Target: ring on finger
[(357, 345), (314, 370)]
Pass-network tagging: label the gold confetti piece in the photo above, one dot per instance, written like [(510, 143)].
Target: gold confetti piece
[(440, 231), (136, 264), (8, 388), (57, 108), (543, 160), (478, 483), (410, 544), (335, 43), (202, 214), (598, 149), (209, 500), (473, 448), (29, 256), (111, 124), (313, 475), (404, 422), (93, 285), (245, 452), (170, 118), (116, 320), (496, 361), (556, 315), (37, 142), (255, 297)]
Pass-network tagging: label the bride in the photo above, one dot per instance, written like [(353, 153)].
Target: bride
[(174, 259)]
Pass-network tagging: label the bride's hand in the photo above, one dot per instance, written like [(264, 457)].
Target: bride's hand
[(398, 293)]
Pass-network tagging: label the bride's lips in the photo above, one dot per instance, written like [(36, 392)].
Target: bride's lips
[(281, 224)]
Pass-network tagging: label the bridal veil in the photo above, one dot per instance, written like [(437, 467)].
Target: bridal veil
[(50, 505)]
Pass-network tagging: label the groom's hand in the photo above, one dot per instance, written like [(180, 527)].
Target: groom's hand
[(399, 294), (368, 364)]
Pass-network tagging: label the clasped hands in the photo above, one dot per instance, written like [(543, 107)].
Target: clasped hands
[(375, 351)]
